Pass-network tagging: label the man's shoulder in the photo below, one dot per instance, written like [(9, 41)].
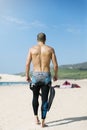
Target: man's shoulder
[(33, 47), (46, 47), (49, 47)]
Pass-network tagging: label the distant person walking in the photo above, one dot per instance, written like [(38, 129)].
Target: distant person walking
[(41, 55)]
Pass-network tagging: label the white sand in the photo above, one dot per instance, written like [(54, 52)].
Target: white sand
[(11, 78), (68, 112)]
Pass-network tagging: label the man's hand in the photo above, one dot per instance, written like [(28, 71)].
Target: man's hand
[(28, 79), (55, 78)]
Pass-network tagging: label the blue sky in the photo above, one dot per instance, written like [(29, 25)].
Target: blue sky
[(63, 21)]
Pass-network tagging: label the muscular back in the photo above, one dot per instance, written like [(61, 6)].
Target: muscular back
[(41, 57)]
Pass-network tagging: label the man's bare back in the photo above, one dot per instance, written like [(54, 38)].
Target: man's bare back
[(41, 57)]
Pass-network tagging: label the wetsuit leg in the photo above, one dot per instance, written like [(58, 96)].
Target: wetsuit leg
[(44, 107), (35, 102)]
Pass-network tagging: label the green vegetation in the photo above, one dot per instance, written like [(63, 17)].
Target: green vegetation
[(72, 71), (65, 73), (81, 66)]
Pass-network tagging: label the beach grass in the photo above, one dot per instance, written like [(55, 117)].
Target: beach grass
[(66, 73)]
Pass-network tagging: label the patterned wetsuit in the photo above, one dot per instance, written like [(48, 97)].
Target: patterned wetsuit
[(41, 80)]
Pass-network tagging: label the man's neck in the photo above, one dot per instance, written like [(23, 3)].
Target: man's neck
[(41, 43)]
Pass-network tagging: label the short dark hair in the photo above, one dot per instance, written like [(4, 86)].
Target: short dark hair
[(41, 37)]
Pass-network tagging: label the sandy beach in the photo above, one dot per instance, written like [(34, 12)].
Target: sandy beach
[(68, 111)]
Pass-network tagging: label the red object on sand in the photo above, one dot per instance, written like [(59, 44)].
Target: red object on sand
[(75, 86), (66, 83)]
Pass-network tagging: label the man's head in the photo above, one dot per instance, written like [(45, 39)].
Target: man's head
[(41, 37)]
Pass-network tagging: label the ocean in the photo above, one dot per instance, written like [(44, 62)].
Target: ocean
[(12, 83)]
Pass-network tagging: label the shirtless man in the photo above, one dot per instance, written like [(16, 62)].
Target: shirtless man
[(41, 55)]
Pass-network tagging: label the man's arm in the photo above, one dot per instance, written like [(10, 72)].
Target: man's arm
[(28, 62), (55, 65)]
